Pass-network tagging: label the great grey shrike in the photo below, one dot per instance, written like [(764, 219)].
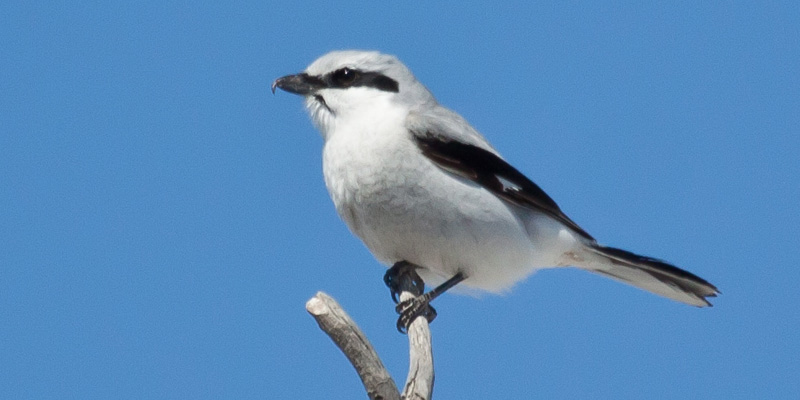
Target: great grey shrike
[(425, 191)]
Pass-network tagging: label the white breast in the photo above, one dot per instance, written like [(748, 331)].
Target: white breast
[(403, 207)]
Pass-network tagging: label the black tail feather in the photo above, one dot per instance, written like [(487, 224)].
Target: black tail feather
[(655, 276)]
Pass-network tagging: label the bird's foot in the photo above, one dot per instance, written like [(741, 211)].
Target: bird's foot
[(402, 277), (412, 308), (396, 274)]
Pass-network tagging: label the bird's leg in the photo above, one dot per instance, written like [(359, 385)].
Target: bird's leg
[(394, 275), (410, 309)]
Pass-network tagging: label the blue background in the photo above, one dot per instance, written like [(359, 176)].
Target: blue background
[(163, 218)]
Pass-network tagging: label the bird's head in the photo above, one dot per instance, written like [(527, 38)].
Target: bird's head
[(353, 84)]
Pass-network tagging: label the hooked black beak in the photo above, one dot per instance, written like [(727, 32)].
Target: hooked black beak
[(302, 84)]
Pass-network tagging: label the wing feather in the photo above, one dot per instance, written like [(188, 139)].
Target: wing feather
[(492, 172)]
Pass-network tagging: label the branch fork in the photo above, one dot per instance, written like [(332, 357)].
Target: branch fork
[(344, 332)]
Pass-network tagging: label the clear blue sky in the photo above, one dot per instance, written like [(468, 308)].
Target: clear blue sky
[(163, 217)]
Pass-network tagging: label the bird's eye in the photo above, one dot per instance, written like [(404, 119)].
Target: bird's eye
[(344, 76)]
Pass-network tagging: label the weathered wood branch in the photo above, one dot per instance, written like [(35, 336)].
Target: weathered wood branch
[(334, 321), (419, 383), (344, 332)]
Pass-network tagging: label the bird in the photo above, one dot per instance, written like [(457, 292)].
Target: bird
[(429, 196)]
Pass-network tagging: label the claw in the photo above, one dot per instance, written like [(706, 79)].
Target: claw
[(410, 309)]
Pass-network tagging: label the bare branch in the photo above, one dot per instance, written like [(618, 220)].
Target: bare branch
[(419, 383), (334, 321), (354, 344)]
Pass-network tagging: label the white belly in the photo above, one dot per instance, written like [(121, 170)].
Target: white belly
[(403, 207)]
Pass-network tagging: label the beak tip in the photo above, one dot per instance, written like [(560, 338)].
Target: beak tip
[(300, 84)]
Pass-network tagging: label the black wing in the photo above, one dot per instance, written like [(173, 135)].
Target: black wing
[(493, 173)]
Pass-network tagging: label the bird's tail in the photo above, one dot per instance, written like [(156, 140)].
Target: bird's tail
[(650, 274)]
